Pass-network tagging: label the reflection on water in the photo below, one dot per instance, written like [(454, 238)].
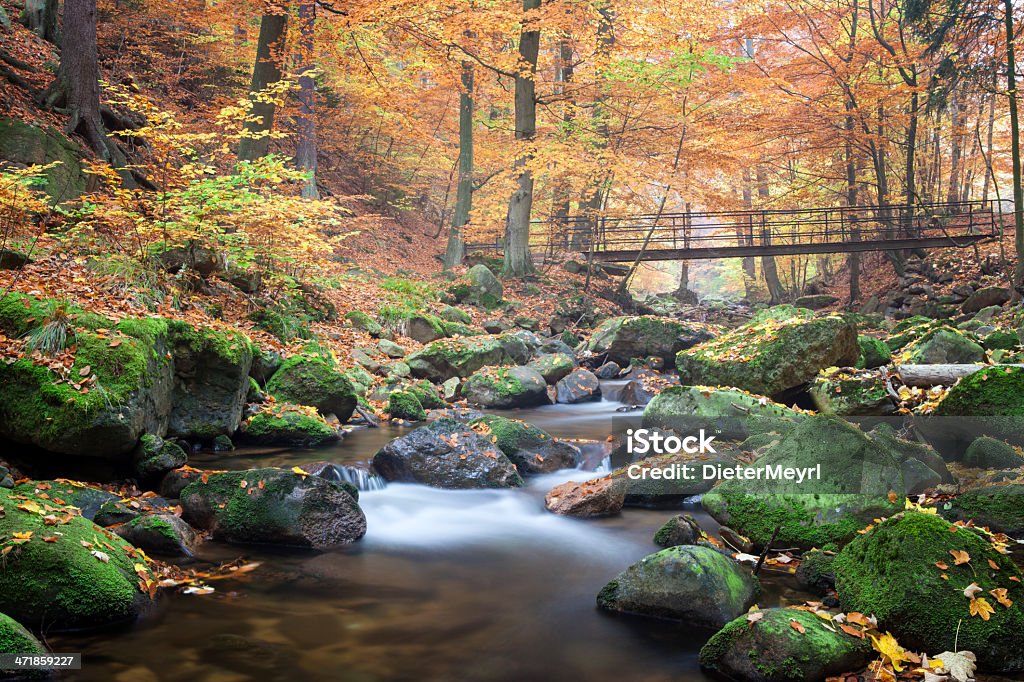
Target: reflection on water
[(447, 585)]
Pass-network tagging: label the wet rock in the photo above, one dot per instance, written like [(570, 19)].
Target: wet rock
[(578, 387), (596, 497), (681, 529), (886, 571), (873, 352), (446, 454), (88, 499), (694, 584), (815, 572), (160, 534), (274, 506), (531, 450), (609, 370), (783, 645), (287, 424), (988, 402), (155, 457), (176, 481), (553, 367), (406, 406), (501, 387), (15, 639), (643, 385), (771, 356)]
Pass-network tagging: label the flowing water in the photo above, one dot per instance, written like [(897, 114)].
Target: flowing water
[(447, 585)]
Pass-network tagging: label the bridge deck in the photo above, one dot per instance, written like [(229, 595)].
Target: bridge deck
[(740, 234)]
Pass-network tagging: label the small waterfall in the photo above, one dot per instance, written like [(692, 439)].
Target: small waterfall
[(605, 467), (360, 478)]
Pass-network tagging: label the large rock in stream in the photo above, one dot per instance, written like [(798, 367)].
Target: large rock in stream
[(726, 412), (530, 449), (83, 576), (314, 381), (771, 356), (621, 339), (783, 645), (446, 454), (506, 387), (694, 584), (912, 570), (860, 479), (989, 402), (447, 358), (274, 506)]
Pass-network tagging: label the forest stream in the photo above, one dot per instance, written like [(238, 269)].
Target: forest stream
[(479, 585)]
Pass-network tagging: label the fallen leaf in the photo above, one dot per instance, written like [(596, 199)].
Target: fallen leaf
[(980, 607), (993, 565), (850, 630), (960, 556), (891, 650), (942, 565), (960, 665), (971, 590), (753, 617), (1000, 593), (102, 556), (797, 626), (85, 371)]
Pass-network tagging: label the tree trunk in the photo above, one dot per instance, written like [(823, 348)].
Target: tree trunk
[(306, 148), (77, 88), (769, 269), (562, 200), (518, 261), (953, 192), (853, 261), (40, 17), (1018, 188), (927, 376), (464, 198), (595, 195), (255, 142), (749, 264)]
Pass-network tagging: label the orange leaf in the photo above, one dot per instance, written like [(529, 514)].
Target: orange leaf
[(85, 371), (960, 556), (942, 565), (797, 626), (859, 634)]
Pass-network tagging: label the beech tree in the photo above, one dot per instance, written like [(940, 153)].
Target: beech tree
[(266, 71)]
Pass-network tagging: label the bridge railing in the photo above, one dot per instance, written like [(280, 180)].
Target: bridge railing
[(776, 227)]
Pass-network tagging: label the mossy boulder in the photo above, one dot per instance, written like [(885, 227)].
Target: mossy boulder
[(873, 352), (314, 381), (155, 457), (553, 367), (16, 639), (727, 412), (1001, 339), (781, 313), (621, 339), (423, 327), (998, 507), (428, 394), (783, 645), (446, 454), (288, 424), (211, 380), (771, 356), (815, 572), (405, 405), (816, 301), (988, 402), (360, 320), (681, 529), (942, 346), (118, 388), (88, 577), (580, 386), (697, 585), (860, 480), (274, 506), (87, 499), (484, 288), (160, 534), (447, 358), (845, 391), (531, 450), (891, 572), (642, 490), (506, 387), (992, 453), (910, 330)]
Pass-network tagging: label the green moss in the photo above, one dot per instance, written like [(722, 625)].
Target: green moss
[(991, 453), (289, 425), (427, 394), (62, 584), (405, 405), (873, 352), (232, 346), (313, 381), (361, 320), (891, 573), (996, 390)]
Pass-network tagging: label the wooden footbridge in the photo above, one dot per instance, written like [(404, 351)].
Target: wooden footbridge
[(739, 234)]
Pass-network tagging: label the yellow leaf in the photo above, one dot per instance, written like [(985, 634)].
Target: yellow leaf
[(960, 556), (981, 607), (1001, 596), (890, 650)]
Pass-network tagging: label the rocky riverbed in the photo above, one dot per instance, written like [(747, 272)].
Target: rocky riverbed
[(488, 508)]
